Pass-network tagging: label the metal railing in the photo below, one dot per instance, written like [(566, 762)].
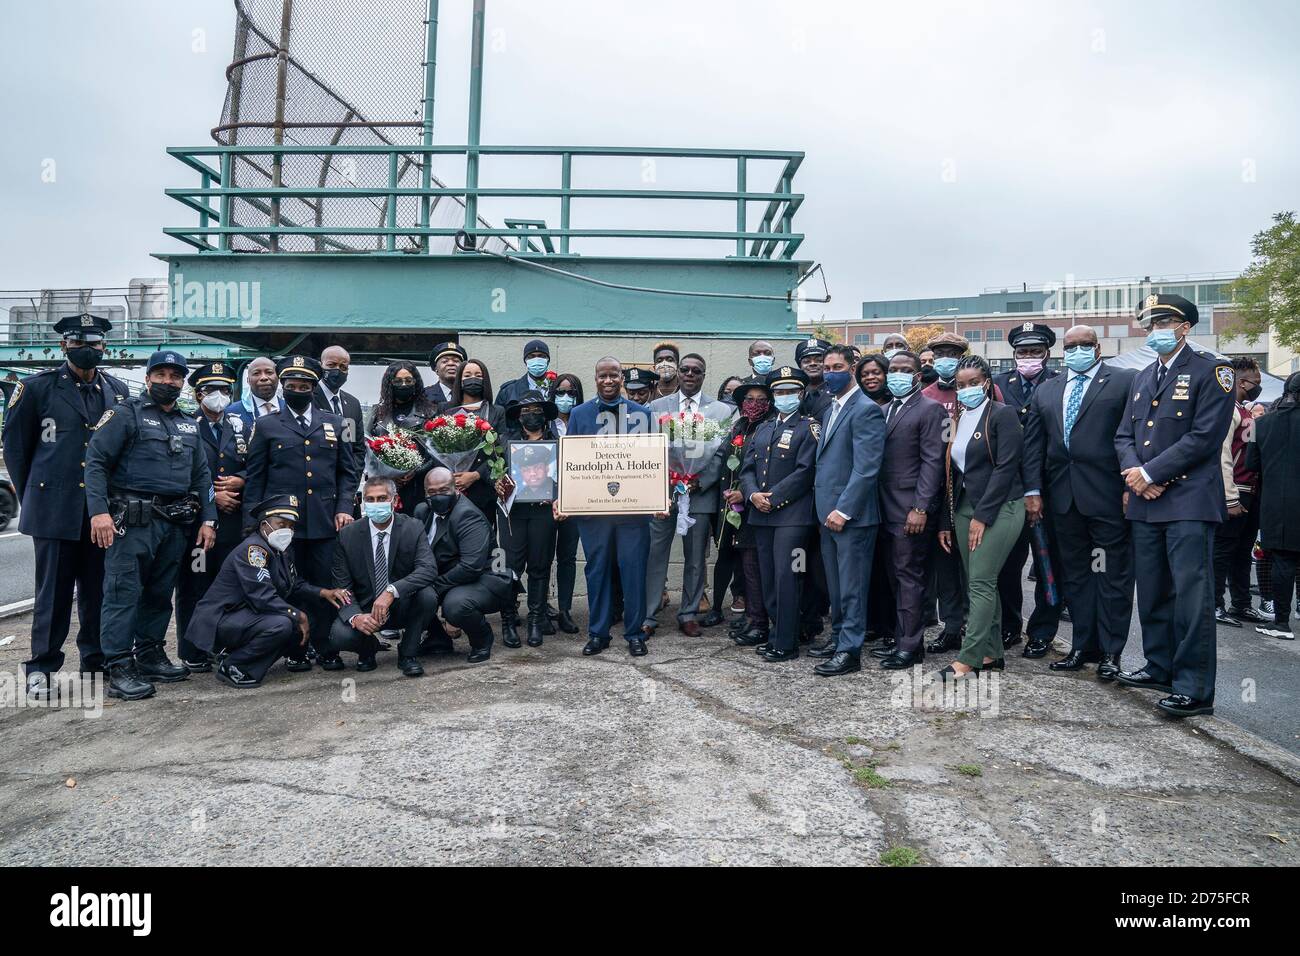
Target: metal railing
[(772, 237)]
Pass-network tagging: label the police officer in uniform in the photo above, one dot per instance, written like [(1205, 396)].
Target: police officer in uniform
[(639, 384), (816, 601), (1031, 343), (302, 451), (776, 480), (224, 440), (147, 483), (253, 612), (808, 355), (1168, 445), (445, 360), (47, 430)]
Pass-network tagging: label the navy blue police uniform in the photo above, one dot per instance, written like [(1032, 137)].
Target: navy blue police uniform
[(145, 468), (1174, 429), (304, 454), (781, 461), (816, 600), (437, 393), (1017, 391), (224, 441), (249, 618), (47, 428)]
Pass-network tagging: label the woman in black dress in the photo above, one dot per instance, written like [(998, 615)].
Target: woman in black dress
[(472, 392), (567, 395)]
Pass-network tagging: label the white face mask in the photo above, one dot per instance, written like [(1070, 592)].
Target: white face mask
[(216, 402), (280, 538)]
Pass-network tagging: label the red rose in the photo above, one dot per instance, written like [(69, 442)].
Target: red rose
[(460, 420), (738, 441), (699, 417), (482, 425), (429, 426), (665, 418), (551, 376), (438, 422)]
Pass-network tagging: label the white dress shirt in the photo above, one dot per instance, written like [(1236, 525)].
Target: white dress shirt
[(689, 404), (1070, 378), (305, 414), (331, 398), (966, 426), (268, 407)]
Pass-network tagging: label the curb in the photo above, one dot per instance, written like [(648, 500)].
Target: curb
[(1253, 748), (17, 608)]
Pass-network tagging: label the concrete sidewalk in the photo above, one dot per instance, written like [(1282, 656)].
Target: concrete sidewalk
[(696, 754)]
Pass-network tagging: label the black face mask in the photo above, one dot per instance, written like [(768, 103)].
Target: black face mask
[(441, 505), (473, 387), (404, 393), (879, 393), (162, 394), (298, 401), (533, 421), (1253, 392), (928, 375), (85, 357), (334, 378)]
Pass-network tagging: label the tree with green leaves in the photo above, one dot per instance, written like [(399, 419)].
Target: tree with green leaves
[(1267, 296)]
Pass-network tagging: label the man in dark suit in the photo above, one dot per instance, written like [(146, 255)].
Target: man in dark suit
[(461, 541), (610, 541), (911, 481), (848, 461), (1071, 473), (776, 480), (330, 397), (385, 565), (1168, 444), (445, 360), (261, 399), (1031, 343), (47, 427), (537, 362), (300, 451)]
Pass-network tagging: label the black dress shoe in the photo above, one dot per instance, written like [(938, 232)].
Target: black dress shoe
[(883, 651), (1011, 640), (410, 666), (535, 634), (949, 673), (200, 665), (594, 646), (751, 638), (435, 645), (297, 662), (1108, 667), (870, 637), (901, 660), (331, 663), (761, 649), (823, 651), (548, 626), (1037, 647), (777, 656), (944, 642), (739, 626), (156, 667), (1141, 679), (232, 676), (1180, 705), (564, 621), (509, 636), (479, 655), (125, 683), (1223, 617), (366, 662), (842, 663), (1074, 660), (636, 647), (712, 619)]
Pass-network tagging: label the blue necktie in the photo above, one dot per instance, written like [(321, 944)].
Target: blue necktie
[(1072, 406)]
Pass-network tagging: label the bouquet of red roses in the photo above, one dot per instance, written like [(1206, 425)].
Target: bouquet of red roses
[(455, 441), (393, 455)]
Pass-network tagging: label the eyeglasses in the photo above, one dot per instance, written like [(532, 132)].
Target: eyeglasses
[(690, 370)]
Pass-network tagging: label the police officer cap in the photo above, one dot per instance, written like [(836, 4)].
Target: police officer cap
[(1159, 305), (1031, 333), (754, 382), (87, 327), (531, 397), (533, 453), (447, 348), (167, 357), (634, 377), (214, 373), (787, 375), (810, 346), (299, 366), (285, 506)]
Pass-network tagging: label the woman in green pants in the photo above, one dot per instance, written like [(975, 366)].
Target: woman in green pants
[(985, 509)]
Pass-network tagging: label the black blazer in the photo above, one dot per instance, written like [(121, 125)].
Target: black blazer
[(1087, 474), (1275, 456), (353, 422), (483, 493), (992, 474), (462, 547), (410, 562), (911, 473)]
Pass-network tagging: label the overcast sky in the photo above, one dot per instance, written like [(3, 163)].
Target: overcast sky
[(949, 146)]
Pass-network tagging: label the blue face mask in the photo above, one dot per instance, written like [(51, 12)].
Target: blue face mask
[(1080, 358), (946, 367), (890, 353), (900, 383), (836, 382), (762, 364), (380, 512), (1163, 341), (972, 397), (537, 366), (565, 403), (785, 404)]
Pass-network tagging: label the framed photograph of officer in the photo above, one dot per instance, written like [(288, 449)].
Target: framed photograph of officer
[(532, 469)]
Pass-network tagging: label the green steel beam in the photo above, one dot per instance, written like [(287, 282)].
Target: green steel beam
[(475, 113)]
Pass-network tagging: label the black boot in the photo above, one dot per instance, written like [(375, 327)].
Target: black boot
[(536, 610), (509, 621), (548, 615), (153, 664), (124, 682), (564, 620)]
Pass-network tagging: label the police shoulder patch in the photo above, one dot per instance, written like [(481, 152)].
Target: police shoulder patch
[(256, 556), (816, 430), (104, 419), (17, 394), (1223, 375)]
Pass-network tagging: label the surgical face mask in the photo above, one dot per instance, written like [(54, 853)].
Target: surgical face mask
[(972, 396), (334, 378), (667, 369), (1163, 341), (216, 402), (537, 366), (899, 383), (1029, 368), (162, 394), (380, 512), (1080, 358), (565, 403), (441, 505), (403, 391), (762, 364), (837, 382), (473, 387), (533, 421), (85, 357), (785, 404), (298, 401), (280, 538), (946, 367), (890, 353)]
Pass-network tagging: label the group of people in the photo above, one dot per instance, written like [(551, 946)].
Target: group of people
[(856, 499)]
